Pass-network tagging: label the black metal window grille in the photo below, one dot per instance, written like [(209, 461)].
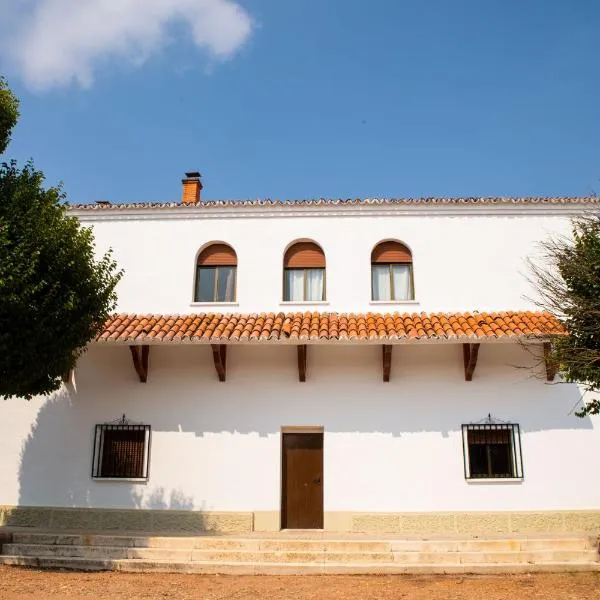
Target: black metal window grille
[(492, 451), (121, 451)]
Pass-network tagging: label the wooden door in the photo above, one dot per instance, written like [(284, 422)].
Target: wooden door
[(302, 481)]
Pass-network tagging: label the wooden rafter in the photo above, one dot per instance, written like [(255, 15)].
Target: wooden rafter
[(220, 359), (551, 367), (470, 354), (139, 354), (302, 363), (386, 355)]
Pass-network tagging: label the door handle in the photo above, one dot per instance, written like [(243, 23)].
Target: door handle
[(317, 481)]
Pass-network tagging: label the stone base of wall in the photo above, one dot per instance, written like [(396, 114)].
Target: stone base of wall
[(5, 538), (474, 523), (444, 523), (99, 519)]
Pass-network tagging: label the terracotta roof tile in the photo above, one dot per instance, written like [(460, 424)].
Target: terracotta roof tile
[(325, 327), (324, 202)]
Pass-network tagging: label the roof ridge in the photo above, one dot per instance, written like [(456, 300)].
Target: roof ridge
[(420, 201)]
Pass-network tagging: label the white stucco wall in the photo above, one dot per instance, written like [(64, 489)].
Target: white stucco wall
[(464, 258), (388, 446)]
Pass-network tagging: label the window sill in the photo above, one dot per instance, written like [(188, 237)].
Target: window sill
[(304, 303), (406, 302), (214, 303), (121, 479), (480, 480)]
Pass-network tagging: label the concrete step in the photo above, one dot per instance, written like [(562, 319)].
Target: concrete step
[(203, 542), (116, 553), (98, 552), (309, 545), (491, 545), (276, 556), (289, 554), (165, 566)]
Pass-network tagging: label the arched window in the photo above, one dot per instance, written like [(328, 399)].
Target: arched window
[(391, 272), (304, 273), (216, 274)]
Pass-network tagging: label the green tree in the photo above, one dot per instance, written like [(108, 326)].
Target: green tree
[(54, 295), (568, 282), (9, 113)]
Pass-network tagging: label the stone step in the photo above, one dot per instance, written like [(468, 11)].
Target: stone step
[(202, 542), (146, 566), (491, 545), (98, 552), (116, 553), (309, 545), (296, 545), (210, 555)]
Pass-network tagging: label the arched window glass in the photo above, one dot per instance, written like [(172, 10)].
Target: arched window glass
[(216, 274), (304, 273), (391, 272)]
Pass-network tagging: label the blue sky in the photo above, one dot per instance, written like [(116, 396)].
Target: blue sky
[(307, 98)]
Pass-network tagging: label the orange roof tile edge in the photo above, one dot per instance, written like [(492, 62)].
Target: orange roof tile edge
[(315, 327)]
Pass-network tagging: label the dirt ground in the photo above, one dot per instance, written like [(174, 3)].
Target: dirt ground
[(18, 583)]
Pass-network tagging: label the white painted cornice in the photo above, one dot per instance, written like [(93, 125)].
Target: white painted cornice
[(230, 211)]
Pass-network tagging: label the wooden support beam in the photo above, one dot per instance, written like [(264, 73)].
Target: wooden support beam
[(386, 354), (220, 358), (470, 354), (139, 354), (551, 368), (302, 363)]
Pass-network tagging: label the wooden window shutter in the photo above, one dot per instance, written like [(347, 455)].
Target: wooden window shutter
[(123, 453), (217, 255), (304, 255), (391, 252)]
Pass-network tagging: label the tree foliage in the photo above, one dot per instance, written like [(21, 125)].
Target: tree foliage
[(9, 113), (568, 282), (54, 295)]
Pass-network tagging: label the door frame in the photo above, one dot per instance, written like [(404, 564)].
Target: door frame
[(297, 429)]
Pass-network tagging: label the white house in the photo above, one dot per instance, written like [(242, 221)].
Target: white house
[(349, 365)]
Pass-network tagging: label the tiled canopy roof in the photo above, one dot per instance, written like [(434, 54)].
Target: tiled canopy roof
[(316, 327), (341, 202)]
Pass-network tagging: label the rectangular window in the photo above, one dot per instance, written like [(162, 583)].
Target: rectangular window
[(304, 285), (492, 451), (215, 284), (121, 452), (391, 282)]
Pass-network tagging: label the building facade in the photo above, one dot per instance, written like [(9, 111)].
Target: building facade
[(347, 365)]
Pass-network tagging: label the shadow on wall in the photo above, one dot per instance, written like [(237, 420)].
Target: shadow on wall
[(344, 392), (56, 464), (158, 500)]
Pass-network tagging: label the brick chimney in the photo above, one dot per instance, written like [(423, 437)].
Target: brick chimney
[(191, 188)]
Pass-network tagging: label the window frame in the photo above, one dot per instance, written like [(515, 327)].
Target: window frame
[(215, 284), (515, 451), (304, 283), (390, 266), (99, 448)]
